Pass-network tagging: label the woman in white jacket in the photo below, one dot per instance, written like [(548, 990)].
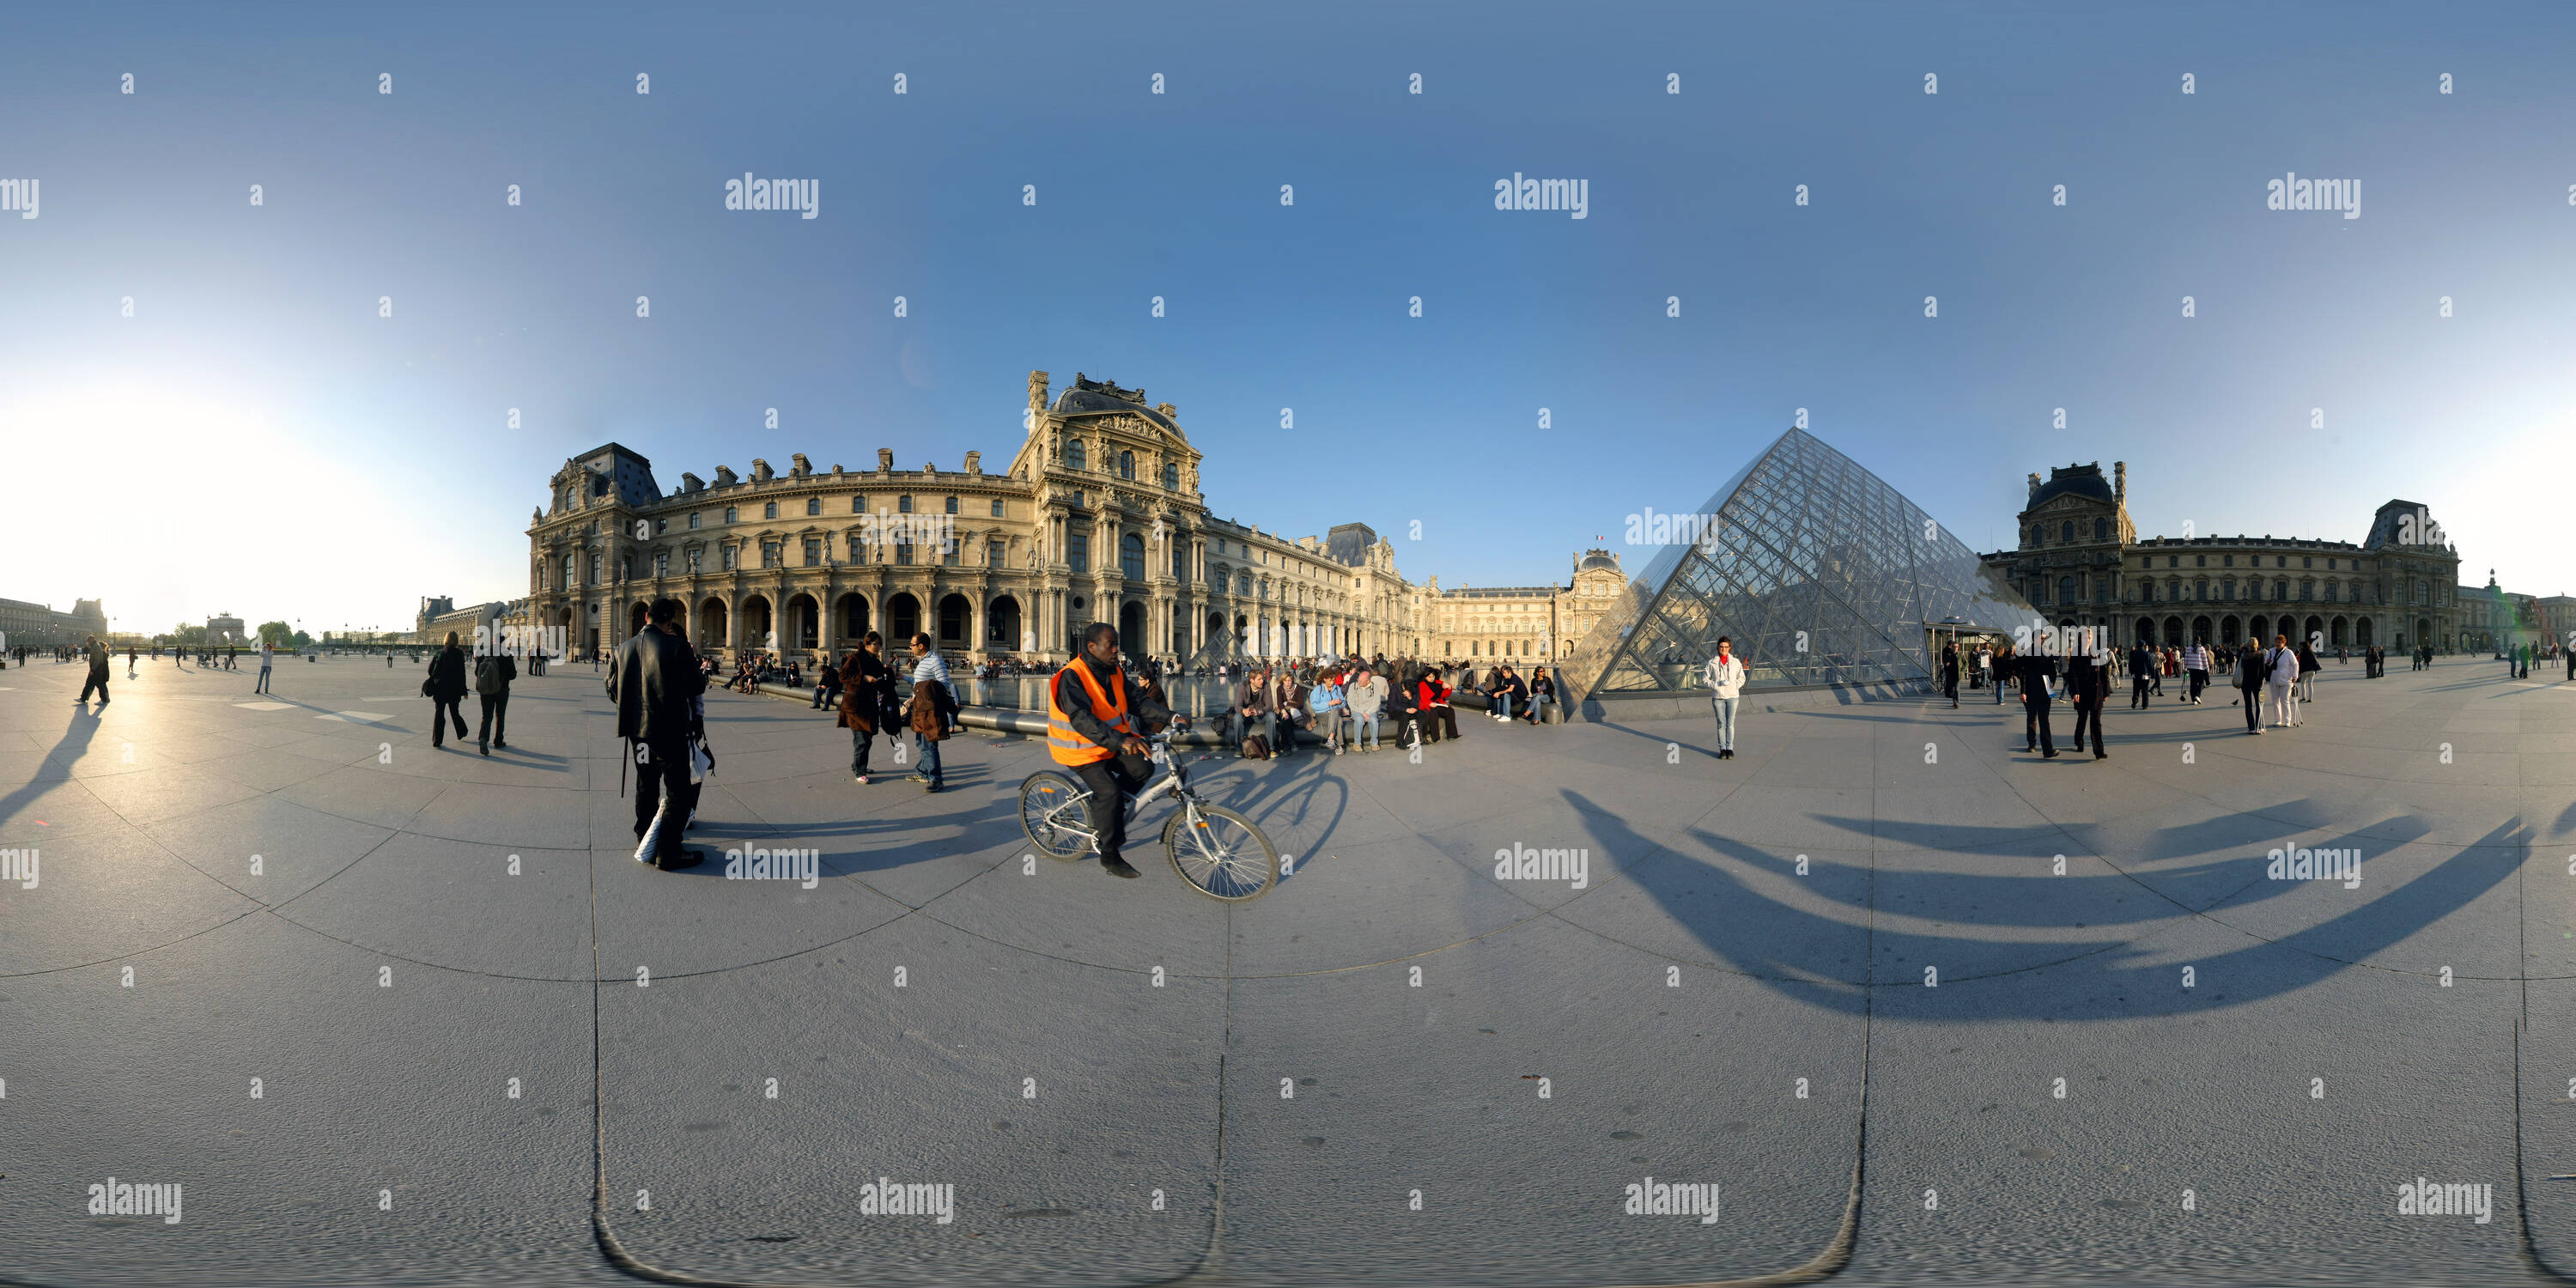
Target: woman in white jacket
[(1725, 685), (2284, 673)]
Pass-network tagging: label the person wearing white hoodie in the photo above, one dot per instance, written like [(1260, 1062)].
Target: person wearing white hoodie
[(2284, 662), (1726, 685)]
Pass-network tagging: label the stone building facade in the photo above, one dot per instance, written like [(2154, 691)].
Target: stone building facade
[(1522, 625), (1098, 516), (2081, 561), (26, 625)]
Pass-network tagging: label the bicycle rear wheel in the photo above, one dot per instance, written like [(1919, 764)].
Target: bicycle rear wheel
[(1220, 853), (1055, 816)]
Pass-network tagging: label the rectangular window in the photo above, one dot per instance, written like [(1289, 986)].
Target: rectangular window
[(1077, 551), (728, 558), (813, 552), (693, 521), (661, 564), (993, 554), (997, 508), (769, 554), (903, 555), (952, 555), (693, 562), (858, 550)]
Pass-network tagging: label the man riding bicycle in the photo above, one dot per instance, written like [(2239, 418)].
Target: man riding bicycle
[(1096, 715)]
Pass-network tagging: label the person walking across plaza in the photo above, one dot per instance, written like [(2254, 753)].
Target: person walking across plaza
[(2142, 668), (654, 679), (931, 704), (493, 673), (1950, 673), (2195, 664), (1726, 692), (95, 654), (2252, 670), (1097, 721), (2308, 668), (445, 687), (2038, 671), (267, 656), (2088, 687)]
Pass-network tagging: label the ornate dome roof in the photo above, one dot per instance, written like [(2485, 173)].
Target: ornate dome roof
[(1085, 396), (2079, 480)]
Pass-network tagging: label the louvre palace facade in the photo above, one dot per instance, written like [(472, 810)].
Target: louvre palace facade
[(2081, 562), (1097, 517)]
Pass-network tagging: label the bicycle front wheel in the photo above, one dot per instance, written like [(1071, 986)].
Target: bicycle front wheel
[(1056, 815), (1220, 853)]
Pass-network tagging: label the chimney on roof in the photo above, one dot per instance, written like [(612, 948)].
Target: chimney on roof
[(2120, 481), (885, 460), (974, 462)]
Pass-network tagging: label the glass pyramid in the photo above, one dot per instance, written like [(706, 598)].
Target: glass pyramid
[(1819, 571)]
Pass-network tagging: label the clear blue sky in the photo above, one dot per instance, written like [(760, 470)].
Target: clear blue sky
[(255, 438)]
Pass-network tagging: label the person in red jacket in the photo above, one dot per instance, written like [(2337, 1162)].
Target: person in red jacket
[(1438, 718)]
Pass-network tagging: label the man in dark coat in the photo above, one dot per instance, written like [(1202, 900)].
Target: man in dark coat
[(2251, 668), (445, 689), (492, 675), (655, 681), (2088, 685), (96, 655), (2036, 670)]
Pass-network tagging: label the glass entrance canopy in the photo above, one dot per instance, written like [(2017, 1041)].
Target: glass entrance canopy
[(1819, 571)]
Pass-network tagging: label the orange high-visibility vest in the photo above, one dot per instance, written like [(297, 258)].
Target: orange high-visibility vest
[(1071, 748)]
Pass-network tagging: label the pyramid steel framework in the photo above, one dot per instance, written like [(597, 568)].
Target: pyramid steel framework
[(1821, 573)]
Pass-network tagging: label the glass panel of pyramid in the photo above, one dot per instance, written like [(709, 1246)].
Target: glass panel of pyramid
[(1819, 571)]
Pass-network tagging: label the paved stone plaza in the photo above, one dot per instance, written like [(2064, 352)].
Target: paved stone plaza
[(387, 976)]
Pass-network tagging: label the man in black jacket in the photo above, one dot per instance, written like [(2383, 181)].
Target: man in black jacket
[(2088, 686), (492, 675), (2142, 666), (2251, 670), (95, 654), (2036, 670), (445, 688), (655, 681)]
